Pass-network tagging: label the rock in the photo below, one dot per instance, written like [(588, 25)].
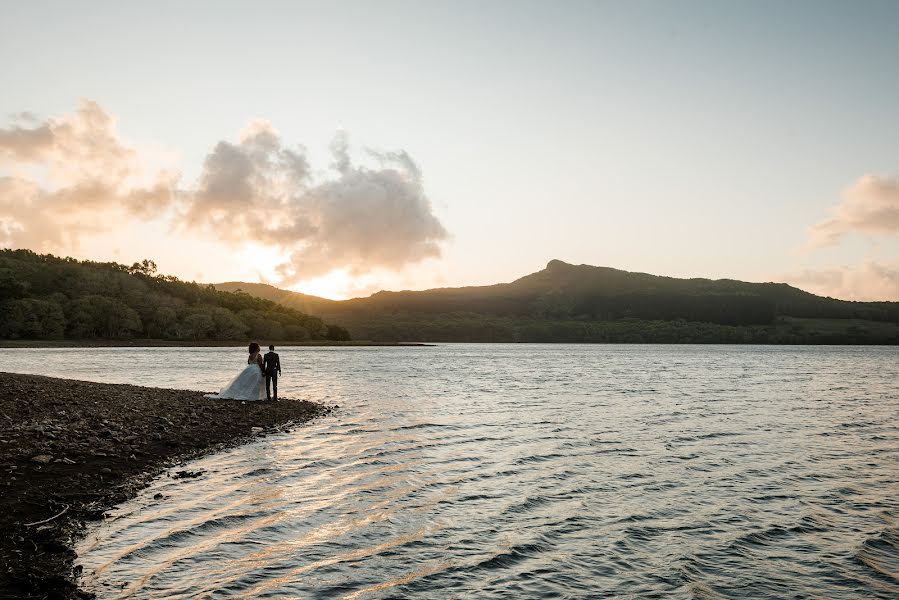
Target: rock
[(187, 474), (42, 458), (106, 470)]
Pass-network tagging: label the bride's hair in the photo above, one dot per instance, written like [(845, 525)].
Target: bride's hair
[(254, 347)]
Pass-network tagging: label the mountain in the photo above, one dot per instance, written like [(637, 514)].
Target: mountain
[(46, 297), (583, 303)]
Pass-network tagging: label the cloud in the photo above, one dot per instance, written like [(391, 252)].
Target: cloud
[(359, 219), (364, 219), (244, 192), (870, 206), (70, 177), (340, 148), (22, 143), (869, 281)]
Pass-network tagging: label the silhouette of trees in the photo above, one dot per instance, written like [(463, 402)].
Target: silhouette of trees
[(96, 316), (32, 318), (45, 297)]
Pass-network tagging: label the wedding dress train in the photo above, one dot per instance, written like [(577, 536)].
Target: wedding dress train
[(248, 385)]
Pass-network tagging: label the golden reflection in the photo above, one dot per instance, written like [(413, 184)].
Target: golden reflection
[(200, 547), (282, 550), (266, 494), (409, 577), (184, 525), (347, 556)]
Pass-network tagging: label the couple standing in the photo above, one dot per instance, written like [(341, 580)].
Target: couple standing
[(256, 380)]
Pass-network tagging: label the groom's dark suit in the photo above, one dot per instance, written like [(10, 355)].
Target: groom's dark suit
[(271, 364)]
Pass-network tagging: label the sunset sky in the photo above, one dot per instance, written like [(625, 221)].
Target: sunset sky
[(339, 148)]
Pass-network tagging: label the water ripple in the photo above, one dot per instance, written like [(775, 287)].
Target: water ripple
[(527, 471)]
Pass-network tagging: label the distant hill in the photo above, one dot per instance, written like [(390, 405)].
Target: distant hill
[(46, 297), (296, 300), (582, 303)]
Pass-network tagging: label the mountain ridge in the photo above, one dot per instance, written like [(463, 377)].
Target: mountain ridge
[(553, 265), (566, 302)]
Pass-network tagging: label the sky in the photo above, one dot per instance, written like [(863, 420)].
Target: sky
[(339, 148)]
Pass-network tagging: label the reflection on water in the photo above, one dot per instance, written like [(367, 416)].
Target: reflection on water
[(520, 470)]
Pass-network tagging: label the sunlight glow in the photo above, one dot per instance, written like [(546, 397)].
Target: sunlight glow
[(336, 285), (260, 261)]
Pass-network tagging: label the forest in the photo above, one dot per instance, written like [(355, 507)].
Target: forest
[(474, 327), (46, 297)]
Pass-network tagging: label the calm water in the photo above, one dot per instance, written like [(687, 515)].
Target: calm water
[(495, 471)]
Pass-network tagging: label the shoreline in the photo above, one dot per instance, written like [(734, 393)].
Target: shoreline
[(146, 343), (70, 450)]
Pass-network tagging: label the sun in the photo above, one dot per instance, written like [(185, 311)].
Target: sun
[(336, 285)]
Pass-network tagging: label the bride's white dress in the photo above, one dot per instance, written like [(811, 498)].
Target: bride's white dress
[(248, 385)]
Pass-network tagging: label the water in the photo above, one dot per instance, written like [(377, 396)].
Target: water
[(496, 471)]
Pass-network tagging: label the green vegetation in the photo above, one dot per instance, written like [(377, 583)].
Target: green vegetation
[(472, 327), (45, 297), (581, 303)]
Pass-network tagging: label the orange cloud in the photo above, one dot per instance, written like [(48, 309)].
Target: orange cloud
[(870, 206), (81, 180), (253, 190), (870, 281)]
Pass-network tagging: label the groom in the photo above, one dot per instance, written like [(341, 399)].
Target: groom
[(271, 364)]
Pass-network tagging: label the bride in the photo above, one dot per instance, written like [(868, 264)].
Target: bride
[(249, 383)]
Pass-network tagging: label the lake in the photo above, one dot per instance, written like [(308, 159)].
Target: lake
[(539, 471)]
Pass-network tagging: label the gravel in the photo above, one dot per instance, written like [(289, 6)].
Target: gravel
[(70, 450)]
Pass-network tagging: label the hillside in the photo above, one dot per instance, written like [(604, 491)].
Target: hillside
[(582, 303), (46, 297)]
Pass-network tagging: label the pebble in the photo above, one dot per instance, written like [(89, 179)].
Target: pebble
[(102, 425)]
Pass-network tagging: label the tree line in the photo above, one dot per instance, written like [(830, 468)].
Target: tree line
[(47, 297), (474, 327)]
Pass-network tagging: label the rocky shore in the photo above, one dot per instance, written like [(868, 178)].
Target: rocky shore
[(146, 343), (69, 450)]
